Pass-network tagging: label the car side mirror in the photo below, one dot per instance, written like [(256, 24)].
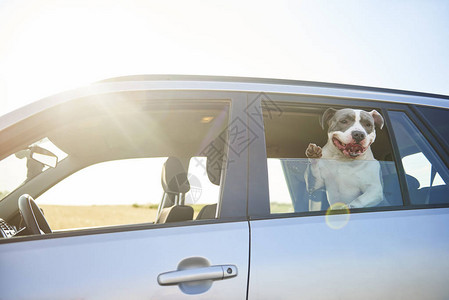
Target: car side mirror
[(44, 156)]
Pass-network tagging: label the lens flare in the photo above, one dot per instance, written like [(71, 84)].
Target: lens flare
[(337, 215)]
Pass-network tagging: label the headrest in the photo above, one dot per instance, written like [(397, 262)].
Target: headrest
[(174, 177), (215, 160)]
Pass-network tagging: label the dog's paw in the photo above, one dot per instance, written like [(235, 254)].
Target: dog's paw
[(314, 151)]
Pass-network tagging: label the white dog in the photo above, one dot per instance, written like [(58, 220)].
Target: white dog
[(345, 166)]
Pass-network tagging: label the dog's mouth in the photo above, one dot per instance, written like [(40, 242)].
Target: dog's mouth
[(351, 150)]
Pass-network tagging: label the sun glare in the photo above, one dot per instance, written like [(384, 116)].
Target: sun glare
[(69, 51)]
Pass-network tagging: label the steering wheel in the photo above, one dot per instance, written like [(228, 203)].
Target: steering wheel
[(32, 215)]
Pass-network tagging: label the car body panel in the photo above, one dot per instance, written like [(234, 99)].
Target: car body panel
[(123, 264), (379, 255)]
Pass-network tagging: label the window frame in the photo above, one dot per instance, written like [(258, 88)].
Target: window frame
[(258, 205), (233, 193)]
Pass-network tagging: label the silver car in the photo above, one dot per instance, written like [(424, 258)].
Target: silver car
[(188, 187)]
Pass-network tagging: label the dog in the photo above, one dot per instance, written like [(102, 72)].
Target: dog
[(345, 167)]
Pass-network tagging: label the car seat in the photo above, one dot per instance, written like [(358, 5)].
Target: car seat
[(175, 184)]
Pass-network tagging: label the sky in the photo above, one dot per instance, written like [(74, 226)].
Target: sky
[(51, 46)]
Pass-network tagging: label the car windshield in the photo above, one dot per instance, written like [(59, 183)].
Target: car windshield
[(20, 167)]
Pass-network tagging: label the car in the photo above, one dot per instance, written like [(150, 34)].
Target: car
[(176, 187)]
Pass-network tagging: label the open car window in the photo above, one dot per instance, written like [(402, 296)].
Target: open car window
[(299, 184), (121, 192), (109, 193)]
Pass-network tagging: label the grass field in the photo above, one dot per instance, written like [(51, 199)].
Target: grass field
[(67, 217), (277, 208)]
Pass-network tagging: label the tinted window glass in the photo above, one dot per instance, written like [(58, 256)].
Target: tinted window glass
[(426, 175), (439, 119), (294, 185)]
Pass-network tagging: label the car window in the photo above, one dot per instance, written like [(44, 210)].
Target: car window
[(426, 174), (299, 183), (203, 191), (154, 167), (438, 119), (110, 193)]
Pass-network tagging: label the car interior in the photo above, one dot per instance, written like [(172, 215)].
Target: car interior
[(176, 184)]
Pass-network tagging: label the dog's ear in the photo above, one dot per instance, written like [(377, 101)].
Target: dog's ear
[(378, 119), (328, 114)]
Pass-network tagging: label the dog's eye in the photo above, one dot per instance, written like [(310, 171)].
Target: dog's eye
[(343, 121), (368, 125)]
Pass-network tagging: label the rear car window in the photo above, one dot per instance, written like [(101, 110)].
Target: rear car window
[(292, 187), (438, 118), (426, 175)]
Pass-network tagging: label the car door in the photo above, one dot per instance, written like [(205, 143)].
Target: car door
[(199, 259), (396, 250)]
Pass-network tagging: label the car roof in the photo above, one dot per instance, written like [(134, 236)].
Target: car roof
[(220, 83), (237, 79)]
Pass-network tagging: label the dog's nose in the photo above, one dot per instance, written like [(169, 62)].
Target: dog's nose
[(358, 136)]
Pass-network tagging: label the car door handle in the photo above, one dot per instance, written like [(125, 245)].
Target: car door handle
[(198, 274)]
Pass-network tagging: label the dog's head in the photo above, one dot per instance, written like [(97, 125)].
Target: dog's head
[(351, 131)]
